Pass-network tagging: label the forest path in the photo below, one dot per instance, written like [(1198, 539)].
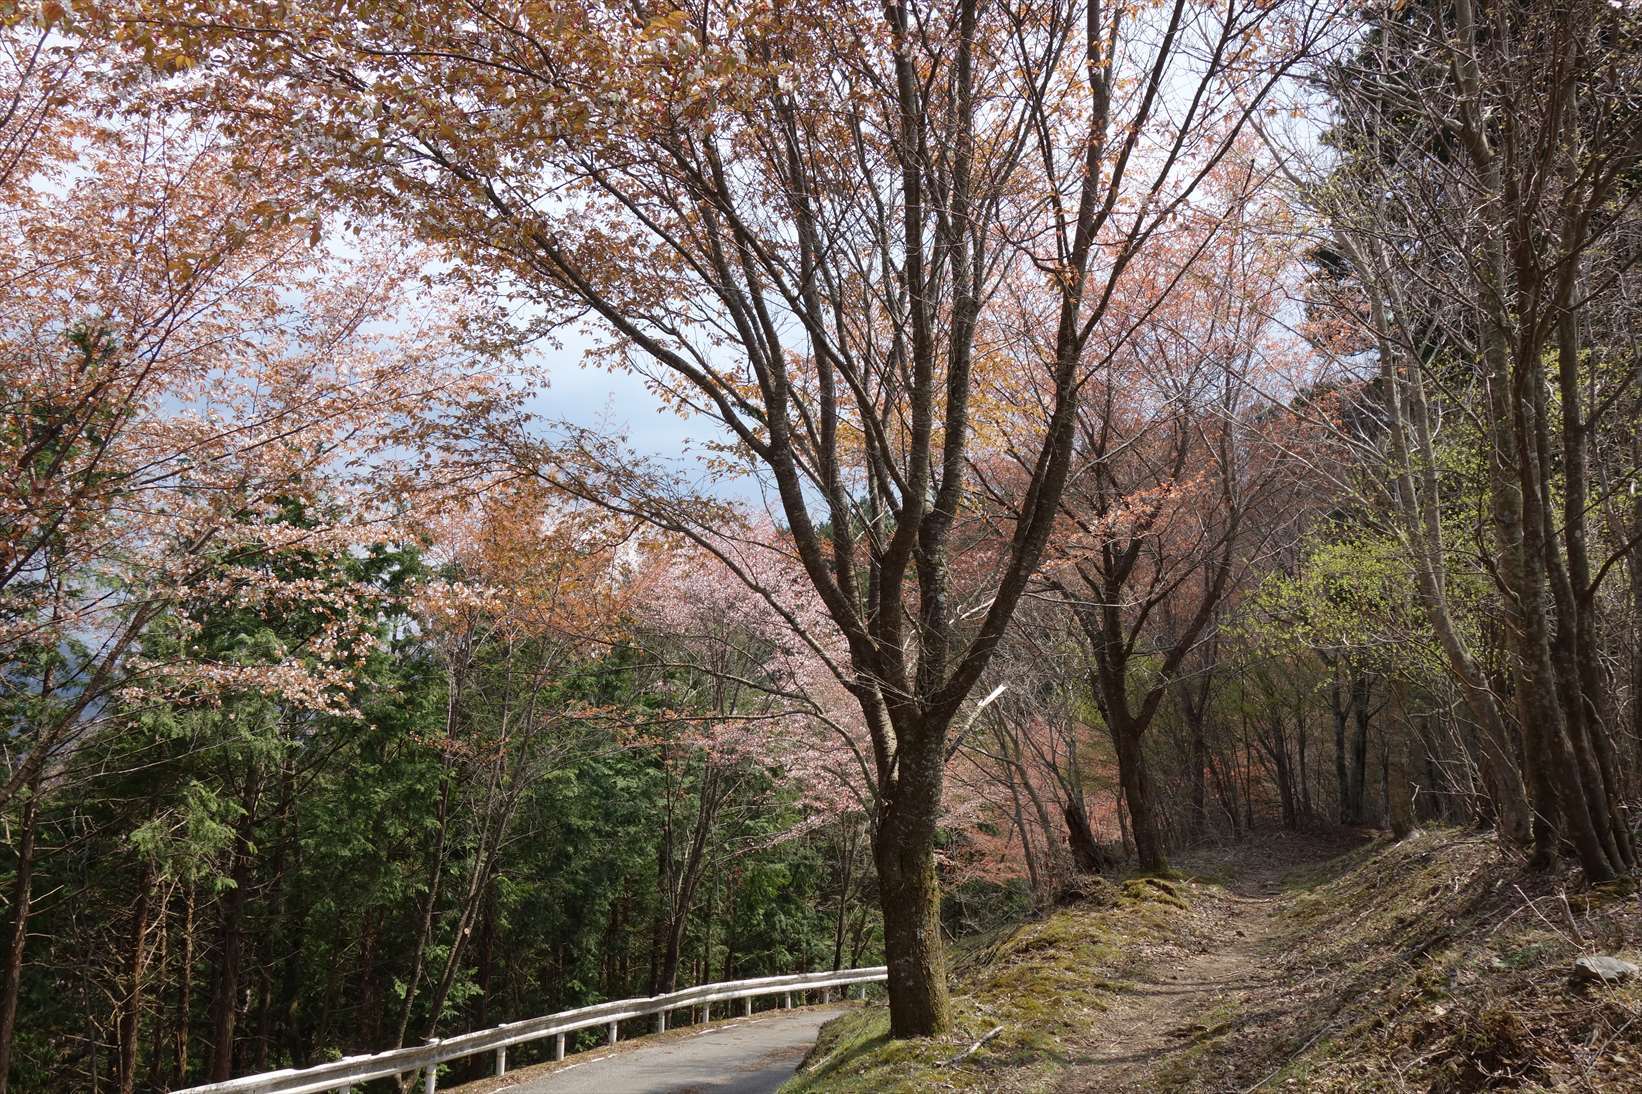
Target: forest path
[(1226, 995)]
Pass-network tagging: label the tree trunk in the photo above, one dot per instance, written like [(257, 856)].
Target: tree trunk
[(904, 848), (730, 932), (1225, 792), (1248, 794), (484, 977), (1087, 855), (1634, 559), (1194, 705), (1356, 811), (424, 934), (1300, 750), (282, 933), (1276, 747), (484, 867), (1200, 780), (611, 944), (230, 957), (372, 1002), (130, 1022), (1137, 791), (1590, 699), (22, 893), (185, 988), (1342, 713), (1399, 787), (847, 837), (672, 949), (1029, 851)]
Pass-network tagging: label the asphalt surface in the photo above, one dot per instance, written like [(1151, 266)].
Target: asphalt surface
[(752, 1056)]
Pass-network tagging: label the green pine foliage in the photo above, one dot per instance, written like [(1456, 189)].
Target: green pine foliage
[(314, 838)]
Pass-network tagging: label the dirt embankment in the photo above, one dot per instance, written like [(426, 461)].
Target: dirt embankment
[(1289, 963)]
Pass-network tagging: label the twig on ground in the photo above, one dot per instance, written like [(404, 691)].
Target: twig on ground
[(1301, 1051), (1578, 939), (972, 1049), (1596, 1057), (1569, 913)]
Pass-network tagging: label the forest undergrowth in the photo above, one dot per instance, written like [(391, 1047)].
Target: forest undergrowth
[(1320, 962)]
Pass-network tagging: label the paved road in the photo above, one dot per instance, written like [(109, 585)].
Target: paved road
[(753, 1056)]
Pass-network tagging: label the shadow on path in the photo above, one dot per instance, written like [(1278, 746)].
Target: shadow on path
[(1226, 987)]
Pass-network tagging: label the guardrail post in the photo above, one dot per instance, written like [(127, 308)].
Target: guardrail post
[(746, 1006), (558, 1047), (430, 1080), (501, 1060), (661, 1021), (786, 1000), (706, 1013), (612, 1039)]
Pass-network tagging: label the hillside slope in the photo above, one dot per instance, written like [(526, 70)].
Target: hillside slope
[(1291, 963)]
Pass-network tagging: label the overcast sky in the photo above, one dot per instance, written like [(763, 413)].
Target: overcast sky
[(619, 402)]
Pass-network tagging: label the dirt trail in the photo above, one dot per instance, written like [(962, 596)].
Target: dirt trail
[(1200, 1014)]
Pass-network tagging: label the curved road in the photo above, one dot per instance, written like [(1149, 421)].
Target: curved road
[(750, 1056)]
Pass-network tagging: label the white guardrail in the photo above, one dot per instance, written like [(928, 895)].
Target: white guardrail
[(343, 1073)]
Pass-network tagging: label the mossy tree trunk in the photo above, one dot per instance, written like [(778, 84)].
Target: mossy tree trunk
[(904, 849)]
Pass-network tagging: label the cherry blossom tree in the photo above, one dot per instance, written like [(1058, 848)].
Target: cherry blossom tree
[(800, 223), (1183, 484)]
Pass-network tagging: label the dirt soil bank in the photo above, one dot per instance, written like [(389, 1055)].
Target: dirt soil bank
[(1339, 962)]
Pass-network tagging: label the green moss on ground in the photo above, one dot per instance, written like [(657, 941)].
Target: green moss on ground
[(1045, 983), (1430, 964)]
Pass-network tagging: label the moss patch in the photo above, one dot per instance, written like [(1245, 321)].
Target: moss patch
[(1045, 983), (1430, 964)]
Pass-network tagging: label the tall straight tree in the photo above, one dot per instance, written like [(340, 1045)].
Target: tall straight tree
[(820, 225)]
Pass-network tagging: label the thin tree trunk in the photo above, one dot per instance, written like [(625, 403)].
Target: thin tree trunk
[(1195, 708), (231, 952), (1034, 876), (424, 933), (485, 975), (1137, 791), (846, 841), (484, 867), (1339, 707), (185, 987), (1357, 811), (130, 1023), (1300, 759), (731, 935), (1200, 781), (22, 893), (1399, 787)]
